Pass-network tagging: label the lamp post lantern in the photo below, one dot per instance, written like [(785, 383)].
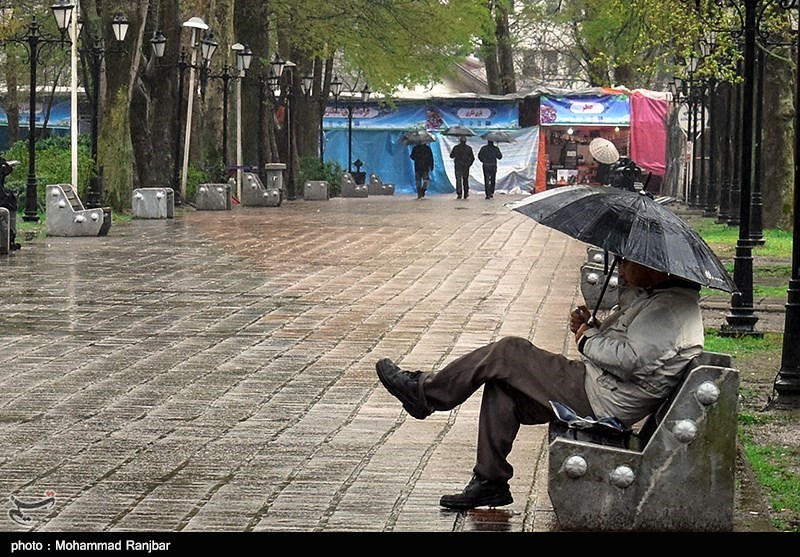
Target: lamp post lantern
[(34, 39), (336, 88)]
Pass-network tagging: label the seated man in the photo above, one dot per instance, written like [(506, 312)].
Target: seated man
[(629, 364)]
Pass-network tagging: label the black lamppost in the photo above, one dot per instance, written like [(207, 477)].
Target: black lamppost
[(741, 318), (96, 52), (336, 88), (208, 47), (306, 84), (34, 40), (243, 58)]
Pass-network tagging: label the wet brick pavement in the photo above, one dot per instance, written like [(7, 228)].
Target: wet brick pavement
[(215, 372)]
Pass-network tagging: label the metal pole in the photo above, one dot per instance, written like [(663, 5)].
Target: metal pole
[(290, 193), (239, 136), (95, 192), (190, 103), (73, 99), (350, 137), (713, 118), (702, 192), (31, 202), (723, 214), (741, 319), (321, 130), (738, 153), (178, 122), (225, 78), (756, 217)]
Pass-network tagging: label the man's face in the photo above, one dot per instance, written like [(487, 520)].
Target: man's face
[(633, 274)]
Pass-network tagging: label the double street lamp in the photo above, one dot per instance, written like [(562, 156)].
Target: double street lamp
[(207, 48), (278, 69), (35, 40), (243, 59), (337, 85)]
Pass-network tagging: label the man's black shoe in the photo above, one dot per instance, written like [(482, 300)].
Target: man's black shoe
[(404, 385), (479, 493)]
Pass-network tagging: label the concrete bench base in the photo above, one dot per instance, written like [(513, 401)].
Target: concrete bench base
[(255, 194), (377, 187), (213, 197), (316, 190), (351, 189), (66, 215), (153, 203), (677, 475)]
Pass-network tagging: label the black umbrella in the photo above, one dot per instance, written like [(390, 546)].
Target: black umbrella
[(631, 225), (498, 136), (416, 137), (458, 131)]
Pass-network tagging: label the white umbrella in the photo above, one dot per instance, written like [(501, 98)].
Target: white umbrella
[(603, 151), (458, 131), (498, 137)]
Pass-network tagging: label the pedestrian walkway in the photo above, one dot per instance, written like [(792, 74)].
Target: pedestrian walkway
[(215, 372)]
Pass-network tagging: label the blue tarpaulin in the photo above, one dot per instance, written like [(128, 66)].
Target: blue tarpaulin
[(59, 115), (377, 133)]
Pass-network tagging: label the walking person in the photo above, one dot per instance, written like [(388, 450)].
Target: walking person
[(463, 157), (422, 155), (489, 155), (629, 364)]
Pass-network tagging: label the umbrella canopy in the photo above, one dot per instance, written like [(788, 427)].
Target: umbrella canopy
[(458, 131), (498, 137), (416, 137), (631, 225), (603, 151)]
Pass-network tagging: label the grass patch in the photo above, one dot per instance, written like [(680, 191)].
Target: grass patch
[(777, 470), (739, 346)]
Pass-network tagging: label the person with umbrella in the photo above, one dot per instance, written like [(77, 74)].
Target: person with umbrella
[(489, 154), (628, 365), (422, 155), (463, 156)]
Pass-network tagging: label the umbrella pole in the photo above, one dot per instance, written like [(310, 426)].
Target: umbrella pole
[(609, 272)]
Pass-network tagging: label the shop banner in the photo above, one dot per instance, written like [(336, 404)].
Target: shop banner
[(604, 110), (472, 114)]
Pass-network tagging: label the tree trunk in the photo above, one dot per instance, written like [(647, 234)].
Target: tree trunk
[(777, 151), (252, 21), (505, 52)]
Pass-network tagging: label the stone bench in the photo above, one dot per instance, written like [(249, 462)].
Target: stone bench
[(675, 471), (377, 187), (213, 197), (66, 215), (153, 203), (351, 189), (5, 231), (593, 277), (316, 190), (255, 194)]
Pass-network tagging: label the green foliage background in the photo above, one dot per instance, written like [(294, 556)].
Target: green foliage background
[(53, 166)]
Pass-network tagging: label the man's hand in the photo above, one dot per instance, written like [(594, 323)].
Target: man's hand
[(577, 317)]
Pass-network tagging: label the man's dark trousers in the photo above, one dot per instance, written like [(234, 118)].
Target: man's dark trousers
[(519, 381)]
